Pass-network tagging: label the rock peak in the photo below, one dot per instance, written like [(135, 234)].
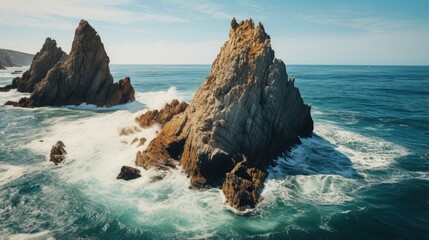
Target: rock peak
[(50, 41), (85, 37), (234, 23), (245, 34), (84, 25), (244, 115)]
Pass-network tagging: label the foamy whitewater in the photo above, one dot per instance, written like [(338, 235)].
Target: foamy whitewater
[(364, 173)]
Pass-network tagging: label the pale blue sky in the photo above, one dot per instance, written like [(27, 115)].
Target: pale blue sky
[(180, 31)]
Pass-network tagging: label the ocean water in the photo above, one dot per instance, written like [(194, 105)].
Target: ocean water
[(363, 175)]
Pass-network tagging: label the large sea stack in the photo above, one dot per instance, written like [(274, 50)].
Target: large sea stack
[(82, 77), (244, 115)]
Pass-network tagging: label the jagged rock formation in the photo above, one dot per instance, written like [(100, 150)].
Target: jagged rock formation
[(128, 173), (244, 115), (162, 116), (82, 77), (58, 153), (2, 68), (44, 60)]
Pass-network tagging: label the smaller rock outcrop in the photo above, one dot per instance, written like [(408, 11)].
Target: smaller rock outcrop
[(128, 173), (82, 77), (44, 60), (2, 68), (162, 116), (156, 163), (58, 153), (242, 186)]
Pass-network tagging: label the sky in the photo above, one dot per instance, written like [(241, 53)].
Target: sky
[(368, 32)]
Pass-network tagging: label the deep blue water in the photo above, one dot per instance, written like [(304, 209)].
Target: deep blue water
[(363, 175)]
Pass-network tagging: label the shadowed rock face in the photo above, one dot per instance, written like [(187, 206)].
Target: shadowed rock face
[(44, 60), (244, 115), (83, 77)]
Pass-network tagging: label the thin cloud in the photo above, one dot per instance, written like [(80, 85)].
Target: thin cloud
[(358, 20), (250, 4), (60, 14), (200, 7)]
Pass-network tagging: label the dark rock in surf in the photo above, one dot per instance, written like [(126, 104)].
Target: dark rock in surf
[(128, 173), (6, 88), (11, 103), (58, 153)]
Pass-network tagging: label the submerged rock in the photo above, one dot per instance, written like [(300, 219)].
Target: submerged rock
[(157, 177), (82, 77), (162, 116), (244, 115), (142, 141), (6, 88), (129, 130), (128, 173), (58, 153), (11, 103)]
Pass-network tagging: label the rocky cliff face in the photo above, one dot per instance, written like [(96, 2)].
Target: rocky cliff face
[(82, 77), (246, 113), (44, 60)]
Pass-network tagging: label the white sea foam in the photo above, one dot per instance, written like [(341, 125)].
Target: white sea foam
[(327, 169), (9, 173), (93, 144), (319, 189), (44, 235), (365, 152), (145, 100), (157, 100), (12, 95)]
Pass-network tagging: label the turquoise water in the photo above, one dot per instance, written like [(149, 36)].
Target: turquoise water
[(363, 175)]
